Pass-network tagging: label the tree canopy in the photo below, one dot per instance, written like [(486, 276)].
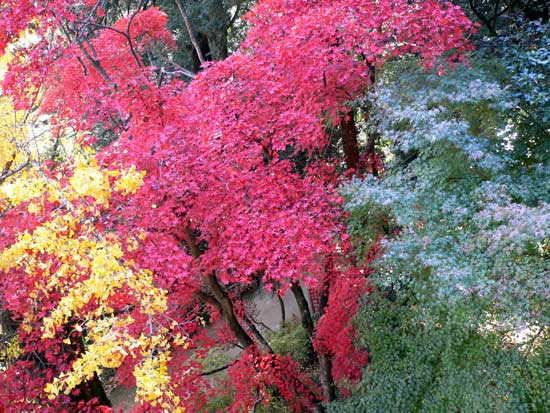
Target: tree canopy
[(153, 174)]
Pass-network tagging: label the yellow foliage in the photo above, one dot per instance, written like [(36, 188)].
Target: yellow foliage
[(129, 181), (66, 255), (11, 349), (92, 268), (12, 134), (13, 156), (108, 350), (21, 141), (89, 180), (154, 384)]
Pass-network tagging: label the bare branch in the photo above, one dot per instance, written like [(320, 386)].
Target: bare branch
[(222, 368), (7, 174), (95, 63), (127, 34), (190, 31)]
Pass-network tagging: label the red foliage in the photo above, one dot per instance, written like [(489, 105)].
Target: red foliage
[(219, 154), (258, 377)]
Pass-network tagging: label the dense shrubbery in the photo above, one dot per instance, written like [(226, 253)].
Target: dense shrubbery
[(438, 359)]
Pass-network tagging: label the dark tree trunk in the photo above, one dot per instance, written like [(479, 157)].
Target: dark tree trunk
[(228, 311), (223, 302), (283, 310), (303, 306), (91, 388), (325, 374), (325, 363), (349, 139), (217, 38)]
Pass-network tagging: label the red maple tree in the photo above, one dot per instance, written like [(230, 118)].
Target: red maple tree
[(239, 190)]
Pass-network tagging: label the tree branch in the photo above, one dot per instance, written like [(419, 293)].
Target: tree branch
[(483, 19), (349, 139), (222, 368), (303, 306), (7, 174), (190, 32), (127, 34)]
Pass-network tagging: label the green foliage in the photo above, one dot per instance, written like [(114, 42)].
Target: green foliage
[(524, 51), (215, 358), (440, 361), (471, 217), (292, 339), (216, 25), (218, 403), (464, 205), (275, 405)]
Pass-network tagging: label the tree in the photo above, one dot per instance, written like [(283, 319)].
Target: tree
[(211, 188), (461, 322), (496, 15)]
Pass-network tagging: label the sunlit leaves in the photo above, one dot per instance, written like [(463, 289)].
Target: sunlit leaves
[(209, 188)]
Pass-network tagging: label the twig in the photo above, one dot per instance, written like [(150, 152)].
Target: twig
[(127, 34), (217, 370), (7, 174), (182, 71)]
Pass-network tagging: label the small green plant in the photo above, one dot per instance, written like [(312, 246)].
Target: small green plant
[(292, 339)]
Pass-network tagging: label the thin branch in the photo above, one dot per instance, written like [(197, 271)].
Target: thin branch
[(259, 323), (127, 34), (257, 335), (190, 32), (83, 65), (88, 20), (222, 368), (91, 46), (102, 26), (7, 174), (181, 71), (483, 18), (95, 63)]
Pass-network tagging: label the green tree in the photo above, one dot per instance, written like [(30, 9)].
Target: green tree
[(461, 320)]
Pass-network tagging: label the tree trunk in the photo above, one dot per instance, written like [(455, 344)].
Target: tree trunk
[(91, 388), (283, 310), (325, 363), (220, 23), (325, 374), (221, 298), (228, 312), (349, 139), (303, 306)]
